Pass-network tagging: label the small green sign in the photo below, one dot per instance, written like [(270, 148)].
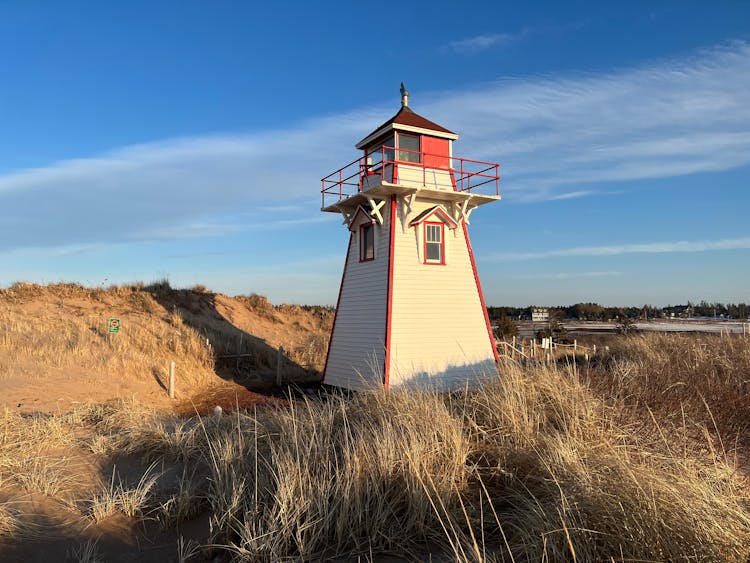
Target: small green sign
[(114, 325)]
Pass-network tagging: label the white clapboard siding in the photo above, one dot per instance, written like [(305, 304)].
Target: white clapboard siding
[(357, 354), (431, 178), (439, 332)]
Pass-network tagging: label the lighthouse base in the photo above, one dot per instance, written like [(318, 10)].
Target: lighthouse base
[(404, 320)]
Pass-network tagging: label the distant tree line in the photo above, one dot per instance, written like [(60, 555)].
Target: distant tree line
[(596, 312)]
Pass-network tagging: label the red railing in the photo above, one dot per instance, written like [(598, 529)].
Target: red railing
[(462, 174)]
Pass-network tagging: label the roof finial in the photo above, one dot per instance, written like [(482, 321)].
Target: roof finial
[(404, 96)]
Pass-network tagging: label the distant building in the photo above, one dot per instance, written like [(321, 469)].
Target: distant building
[(540, 314)]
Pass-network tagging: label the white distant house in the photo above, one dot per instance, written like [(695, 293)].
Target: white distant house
[(540, 314), (410, 307)]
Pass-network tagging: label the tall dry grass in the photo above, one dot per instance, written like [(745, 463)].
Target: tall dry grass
[(687, 380), (7, 523), (537, 464), (26, 467), (529, 467), (140, 349)]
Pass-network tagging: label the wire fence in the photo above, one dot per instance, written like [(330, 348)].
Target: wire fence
[(544, 350), (547, 349)]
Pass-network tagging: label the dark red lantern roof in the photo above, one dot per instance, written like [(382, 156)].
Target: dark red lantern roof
[(407, 120)]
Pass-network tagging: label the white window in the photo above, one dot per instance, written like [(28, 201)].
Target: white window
[(434, 251)]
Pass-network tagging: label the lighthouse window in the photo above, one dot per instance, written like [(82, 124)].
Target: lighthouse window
[(366, 243), (408, 148), (375, 153), (433, 247)]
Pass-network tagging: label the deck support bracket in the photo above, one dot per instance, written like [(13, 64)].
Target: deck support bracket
[(462, 210), (347, 216), (406, 207)]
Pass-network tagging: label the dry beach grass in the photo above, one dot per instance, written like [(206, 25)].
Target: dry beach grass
[(685, 380), (529, 467), (640, 455)]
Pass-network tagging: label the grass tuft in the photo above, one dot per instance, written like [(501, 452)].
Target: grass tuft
[(117, 497), (85, 552)]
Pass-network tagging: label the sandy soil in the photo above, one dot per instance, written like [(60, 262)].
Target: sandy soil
[(51, 383), (56, 390)]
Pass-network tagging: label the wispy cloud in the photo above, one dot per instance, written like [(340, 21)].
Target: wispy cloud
[(230, 226), (568, 275), (179, 188), (563, 133), (614, 250), (484, 41), (571, 195), (557, 137)]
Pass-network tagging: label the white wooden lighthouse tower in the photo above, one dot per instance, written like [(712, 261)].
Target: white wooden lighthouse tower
[(410, 308)]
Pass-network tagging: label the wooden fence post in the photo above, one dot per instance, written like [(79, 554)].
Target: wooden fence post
[(171, 380)]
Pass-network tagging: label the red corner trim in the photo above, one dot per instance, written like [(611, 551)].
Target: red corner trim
[(476, 279), (389, 309), (338, 303), (481, 295)]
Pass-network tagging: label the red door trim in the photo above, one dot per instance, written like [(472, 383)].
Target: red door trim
[(389, 308)]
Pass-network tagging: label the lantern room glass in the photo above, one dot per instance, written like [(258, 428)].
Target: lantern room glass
[(408, 146), (375, 152)]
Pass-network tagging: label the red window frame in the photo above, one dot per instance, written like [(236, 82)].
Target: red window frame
[(442, 243), (362, 250)]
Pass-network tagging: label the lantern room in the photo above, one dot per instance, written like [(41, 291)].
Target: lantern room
[(408, 138)]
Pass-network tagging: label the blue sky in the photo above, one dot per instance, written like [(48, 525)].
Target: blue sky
[(187, 140)]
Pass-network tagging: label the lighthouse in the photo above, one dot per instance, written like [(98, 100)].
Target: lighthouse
[(410, 308)]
